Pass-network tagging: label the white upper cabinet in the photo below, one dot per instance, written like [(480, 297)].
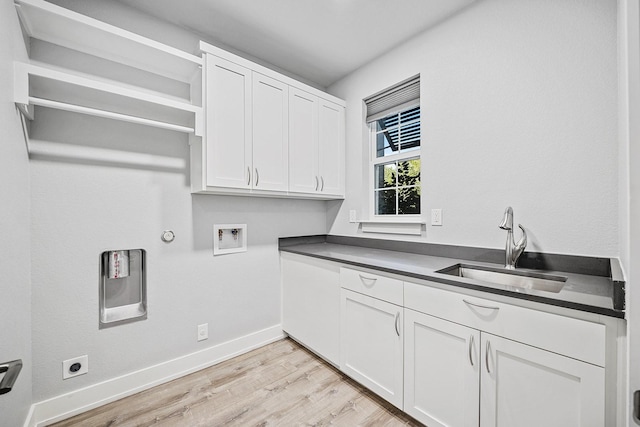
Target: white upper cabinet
[(270, 134), (246, 139), (228, 124), (303, 131), (316, 129), (266, 134), (331, 147)]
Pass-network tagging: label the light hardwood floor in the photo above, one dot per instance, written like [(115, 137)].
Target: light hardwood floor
[(281, 384)]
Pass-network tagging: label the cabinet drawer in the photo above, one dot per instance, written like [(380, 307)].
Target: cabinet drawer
[(371, 284), (571, 337)]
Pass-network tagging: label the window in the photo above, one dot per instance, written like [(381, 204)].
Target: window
[(395, 150)]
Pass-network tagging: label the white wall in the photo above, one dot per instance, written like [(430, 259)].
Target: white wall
[(97, 185), (15, 288), (519, 107)]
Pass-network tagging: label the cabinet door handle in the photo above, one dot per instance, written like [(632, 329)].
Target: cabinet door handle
[(397, 325), (470, 349), (317, 183), (486, 358), (248, 175), (481, 306), (257, 177), (322, 181), (364, 279)]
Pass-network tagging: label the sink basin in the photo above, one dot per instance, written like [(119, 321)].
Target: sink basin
[(510, 278)]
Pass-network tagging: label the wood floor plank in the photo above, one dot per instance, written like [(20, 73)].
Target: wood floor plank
[(281, 384)]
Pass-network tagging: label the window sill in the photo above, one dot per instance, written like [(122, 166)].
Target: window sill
[(393, 226)]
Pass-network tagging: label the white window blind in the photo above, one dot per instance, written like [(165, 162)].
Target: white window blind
[(393, 99)]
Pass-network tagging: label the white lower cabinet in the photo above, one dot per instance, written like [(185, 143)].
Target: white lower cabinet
[(459, 376), (525, 386), (311, 304), (450, 359), (316, 145), (371, 344), (441, 373)]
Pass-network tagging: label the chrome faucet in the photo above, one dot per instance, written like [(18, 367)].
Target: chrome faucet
[(512, 250)]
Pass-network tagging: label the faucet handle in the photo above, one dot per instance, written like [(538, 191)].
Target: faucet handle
[(519, 247)]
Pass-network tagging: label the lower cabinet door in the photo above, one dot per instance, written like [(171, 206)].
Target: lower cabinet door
[(442, 372), (311, 303), (525, 386), (371, 344)]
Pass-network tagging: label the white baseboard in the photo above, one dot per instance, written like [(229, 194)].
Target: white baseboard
[(67, 405)]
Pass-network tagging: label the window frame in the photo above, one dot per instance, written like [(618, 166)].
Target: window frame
[(398, 157)]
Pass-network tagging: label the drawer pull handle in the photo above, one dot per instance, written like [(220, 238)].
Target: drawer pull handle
[(248, 175), (480, 305), (397, 323), (470, 347), (364, 279), (486, 359)]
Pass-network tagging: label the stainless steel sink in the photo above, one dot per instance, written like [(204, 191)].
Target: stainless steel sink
[(515, 279)]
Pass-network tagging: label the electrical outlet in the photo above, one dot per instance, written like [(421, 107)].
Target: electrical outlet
[(436, 216), (74, 367), (352, 216), (203, 332)]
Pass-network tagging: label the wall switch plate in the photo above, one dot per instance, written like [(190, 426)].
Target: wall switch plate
[(353, 216), (436, 216), (203, 332), (74, 367)]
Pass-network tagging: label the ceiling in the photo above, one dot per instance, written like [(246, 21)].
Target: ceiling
[(318, 40)]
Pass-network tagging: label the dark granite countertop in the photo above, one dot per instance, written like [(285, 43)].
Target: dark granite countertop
[(593, 284)]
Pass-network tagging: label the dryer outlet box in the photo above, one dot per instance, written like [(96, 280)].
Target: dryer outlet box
[(74, 367)]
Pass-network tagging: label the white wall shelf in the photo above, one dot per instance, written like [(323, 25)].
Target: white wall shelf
[(50, 86), (69, 91), (63, 27)]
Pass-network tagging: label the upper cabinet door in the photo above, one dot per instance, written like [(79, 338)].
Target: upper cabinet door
[(331, 148), (528, 387), (303, 142), (270, 134), (228, 124)]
